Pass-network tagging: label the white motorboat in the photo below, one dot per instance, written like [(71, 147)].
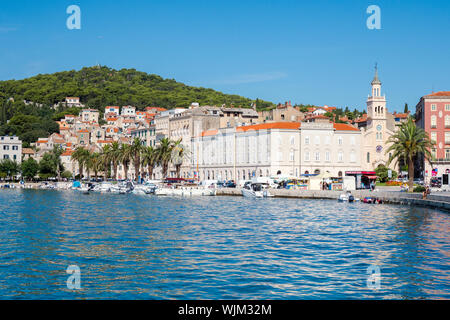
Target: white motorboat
[(256, 190), (185, 192), (85, 190), (347, 197), (147, 188)]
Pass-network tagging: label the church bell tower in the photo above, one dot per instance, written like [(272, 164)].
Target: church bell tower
[(376, 103)]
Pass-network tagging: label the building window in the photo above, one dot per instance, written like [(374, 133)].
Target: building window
[(434, 137), (447, 138), (433, 107), (433, 121), (5, 147), (340, 174), (340, 156), (368, 157), (291, 155), (353, 141), (433, 153), (352, 156), (447, 154), (447, 122), (340, 141), (292, 141), (447, 107), (317, 156), (327, 140), (327, 156), (307, 140), (5, 156), (306, 155), (317, 140)]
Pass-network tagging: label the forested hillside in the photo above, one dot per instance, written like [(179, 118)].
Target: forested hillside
[(97, 87)]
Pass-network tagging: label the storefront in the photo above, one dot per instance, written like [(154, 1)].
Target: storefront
[(363, 179)]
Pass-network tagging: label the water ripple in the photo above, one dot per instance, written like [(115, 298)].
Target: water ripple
[(144, 247)]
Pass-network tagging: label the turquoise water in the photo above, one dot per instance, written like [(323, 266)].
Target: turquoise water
[(145, 247)]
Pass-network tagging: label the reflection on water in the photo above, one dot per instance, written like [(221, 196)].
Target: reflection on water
[(147, 247)]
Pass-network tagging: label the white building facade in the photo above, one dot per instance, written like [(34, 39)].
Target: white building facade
[(11, 149), (287, 148)]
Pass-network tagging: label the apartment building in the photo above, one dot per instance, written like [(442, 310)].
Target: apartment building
[(433, 115), (11, 148)]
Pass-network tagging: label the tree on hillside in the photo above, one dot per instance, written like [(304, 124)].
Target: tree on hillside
[(9, 168), (406, 108), (30, 168)]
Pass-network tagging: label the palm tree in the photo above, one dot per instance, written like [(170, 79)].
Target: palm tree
[(125, 157), (408, 142), (164, 152), (179, 152), (94, 162), (80, 155), (149, 158), (136, 148), (114, 156), (105, 160), (56, 158)]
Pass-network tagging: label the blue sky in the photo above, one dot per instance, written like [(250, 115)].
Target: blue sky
[(311, 52)]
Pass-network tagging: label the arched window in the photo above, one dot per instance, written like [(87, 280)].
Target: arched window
[(340, 174), (306, 172), (317, 171)]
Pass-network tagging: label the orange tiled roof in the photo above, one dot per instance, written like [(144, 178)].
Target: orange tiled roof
[(401, 115), (83, 131), (439, 94), (273, 125), (344, 127), (209, 133), (112, 119), (68, 153), (27, 151)]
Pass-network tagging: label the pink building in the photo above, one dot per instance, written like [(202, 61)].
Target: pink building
[(433, 115)]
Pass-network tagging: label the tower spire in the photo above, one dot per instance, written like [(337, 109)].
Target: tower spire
[(376, 80)]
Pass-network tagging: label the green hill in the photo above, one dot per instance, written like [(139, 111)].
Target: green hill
[(97, 88)]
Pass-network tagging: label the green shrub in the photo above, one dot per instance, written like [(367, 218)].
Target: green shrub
[(419, 189)]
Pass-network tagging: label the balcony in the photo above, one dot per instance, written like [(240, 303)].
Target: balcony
[(441, 161)]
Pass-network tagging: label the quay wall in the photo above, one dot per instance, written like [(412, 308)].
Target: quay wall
[(440, 202)]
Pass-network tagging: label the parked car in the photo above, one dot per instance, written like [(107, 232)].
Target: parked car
[(419, 182), (436, 183), (229, 184)]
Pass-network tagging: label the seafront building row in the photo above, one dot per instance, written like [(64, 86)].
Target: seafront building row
[(239, 143)]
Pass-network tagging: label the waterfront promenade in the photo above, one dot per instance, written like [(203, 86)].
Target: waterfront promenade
[(436, 200)]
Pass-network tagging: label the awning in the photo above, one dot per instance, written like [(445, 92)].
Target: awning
[(371, 177)]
